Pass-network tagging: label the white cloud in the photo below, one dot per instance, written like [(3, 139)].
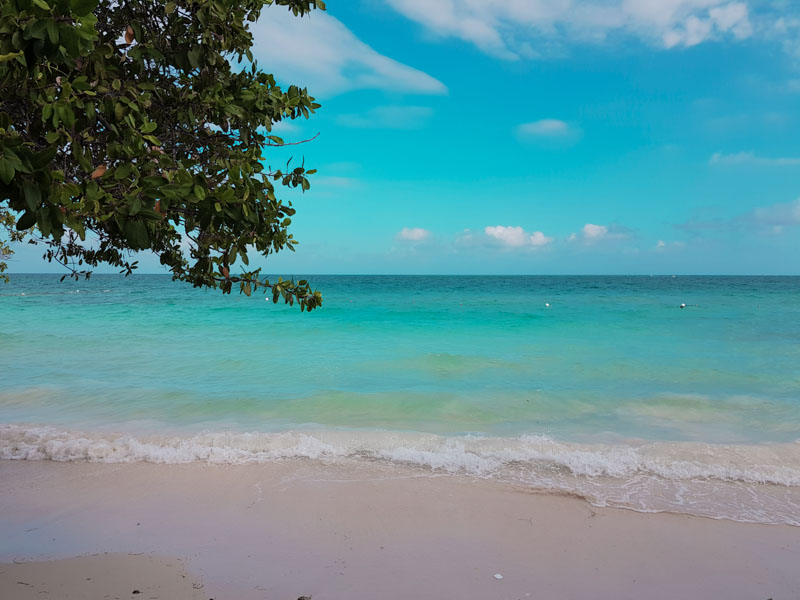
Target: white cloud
[(319, 52), (786, 30), (511, 29), (517, 237), (413, 234), (662, 246), (783, 214), (749, 158), (388, 117), (592, 234), (545, 128), (285, 127), (770, 219), (335, 181)]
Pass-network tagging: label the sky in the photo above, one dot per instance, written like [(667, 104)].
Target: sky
[(540, 137)]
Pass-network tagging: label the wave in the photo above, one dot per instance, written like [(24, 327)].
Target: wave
[(755, 483)]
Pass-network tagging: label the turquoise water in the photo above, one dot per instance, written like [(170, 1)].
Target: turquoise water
[(610, 384)]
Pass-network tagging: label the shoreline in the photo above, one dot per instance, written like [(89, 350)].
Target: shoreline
[(749, 483), (293, 528)]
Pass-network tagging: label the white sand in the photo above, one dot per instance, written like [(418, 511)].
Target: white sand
[(99, 576), (284, 530)]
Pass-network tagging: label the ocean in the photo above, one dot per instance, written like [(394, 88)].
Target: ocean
[(598, 386)]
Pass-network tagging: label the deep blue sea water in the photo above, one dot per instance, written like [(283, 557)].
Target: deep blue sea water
[(602, 386)]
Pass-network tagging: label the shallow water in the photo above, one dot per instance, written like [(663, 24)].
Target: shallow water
[(611, 391)]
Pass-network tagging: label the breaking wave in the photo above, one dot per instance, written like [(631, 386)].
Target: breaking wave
[(752, 483)]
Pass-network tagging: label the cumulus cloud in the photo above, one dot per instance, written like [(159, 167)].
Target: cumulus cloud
[(319, 52), (517, 237), (388, 117), (413, 234), (511, 29), (750, 158), (592, 234)]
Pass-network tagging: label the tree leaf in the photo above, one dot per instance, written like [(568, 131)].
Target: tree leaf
[(136, 234), (82, 7), (33, 195), (6, 171)]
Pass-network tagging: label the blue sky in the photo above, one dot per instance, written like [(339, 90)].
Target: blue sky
[(541, 136)]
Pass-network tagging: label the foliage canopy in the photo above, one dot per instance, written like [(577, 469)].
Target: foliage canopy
[(141, 124)]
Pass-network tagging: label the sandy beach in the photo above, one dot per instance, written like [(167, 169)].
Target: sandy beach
[(99, 576), (359, 530)]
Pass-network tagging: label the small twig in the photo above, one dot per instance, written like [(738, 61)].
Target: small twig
[(295, 143)]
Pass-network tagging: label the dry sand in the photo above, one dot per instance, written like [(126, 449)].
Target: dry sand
[(365, 531), (115, 576)]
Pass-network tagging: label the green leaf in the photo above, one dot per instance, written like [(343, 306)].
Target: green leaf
[(9, 56), (42, 4), (45, 157), (136, 235), (82, 7), (122, 171), (194, 55), (66, 115), (52, 31), (33, 195), (26, 221), (6, 171)]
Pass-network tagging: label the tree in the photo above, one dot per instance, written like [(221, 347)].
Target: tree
[(141, 125)]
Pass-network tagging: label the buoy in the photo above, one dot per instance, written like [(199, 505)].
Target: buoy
[(547, 304), (683, 306)]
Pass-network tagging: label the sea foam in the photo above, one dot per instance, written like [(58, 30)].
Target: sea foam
[(755, 483)]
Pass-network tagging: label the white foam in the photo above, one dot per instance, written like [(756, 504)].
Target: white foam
[(744, 482)]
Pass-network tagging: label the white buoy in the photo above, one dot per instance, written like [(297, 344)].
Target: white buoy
[(547, 304), (683, 305)]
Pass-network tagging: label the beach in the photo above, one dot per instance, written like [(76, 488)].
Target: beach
[(400, 300), (360, 530)]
